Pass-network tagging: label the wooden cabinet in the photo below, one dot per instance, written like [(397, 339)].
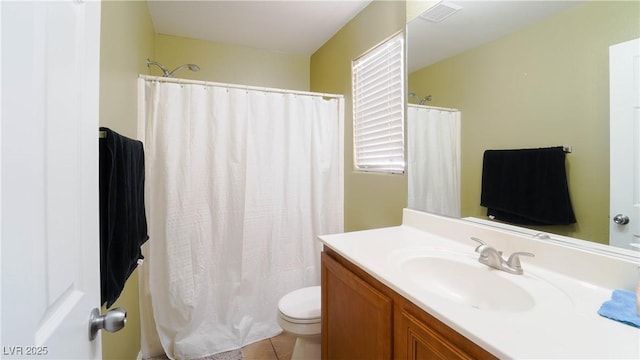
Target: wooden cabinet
[(421, 342), (419, 335), (364, 319), (356, 317)]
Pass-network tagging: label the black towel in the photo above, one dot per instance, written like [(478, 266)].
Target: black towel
[(123, 222), (527, 186)]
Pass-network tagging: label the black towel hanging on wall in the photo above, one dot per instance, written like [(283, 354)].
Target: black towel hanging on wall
[(123, 222), (527, 186)]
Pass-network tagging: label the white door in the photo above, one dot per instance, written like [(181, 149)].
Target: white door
[(624, 63), (49, 178)]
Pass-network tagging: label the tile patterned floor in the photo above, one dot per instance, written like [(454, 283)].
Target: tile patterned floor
[(276, 348)]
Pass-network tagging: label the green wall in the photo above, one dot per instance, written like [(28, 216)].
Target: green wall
[(127, 38), (542, 86), (371, 200), (232, 64)]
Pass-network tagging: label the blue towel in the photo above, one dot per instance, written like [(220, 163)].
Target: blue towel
[(621, 307)]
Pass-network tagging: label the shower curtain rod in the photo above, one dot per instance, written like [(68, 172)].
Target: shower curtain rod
[(237, 86), (432, 107)]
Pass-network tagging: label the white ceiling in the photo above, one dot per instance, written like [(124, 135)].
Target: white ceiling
[(302, 26), (477, 23), (290, 26)]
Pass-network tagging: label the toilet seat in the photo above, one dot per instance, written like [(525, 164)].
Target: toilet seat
[(301, 306)]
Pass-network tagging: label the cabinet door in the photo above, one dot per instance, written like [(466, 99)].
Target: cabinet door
[(422, 342), (356, 318)]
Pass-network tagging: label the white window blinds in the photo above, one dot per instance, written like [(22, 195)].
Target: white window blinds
[(378, 107)]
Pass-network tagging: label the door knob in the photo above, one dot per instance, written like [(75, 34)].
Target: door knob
[(621, 219), (112, 321)]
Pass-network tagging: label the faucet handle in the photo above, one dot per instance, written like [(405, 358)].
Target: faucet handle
[(514, 259), (482, 243)]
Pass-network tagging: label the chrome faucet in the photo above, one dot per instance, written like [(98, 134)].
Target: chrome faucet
[(493, 258)]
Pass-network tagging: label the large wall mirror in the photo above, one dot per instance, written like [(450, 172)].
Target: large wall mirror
[(527, 74)]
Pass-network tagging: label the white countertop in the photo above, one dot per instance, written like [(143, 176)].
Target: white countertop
[(568, 285)]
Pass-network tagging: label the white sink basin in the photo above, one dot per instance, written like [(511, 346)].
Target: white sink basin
[(467, 283)]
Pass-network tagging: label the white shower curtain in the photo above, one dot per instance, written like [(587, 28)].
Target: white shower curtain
[(433, 156), (239, 184)]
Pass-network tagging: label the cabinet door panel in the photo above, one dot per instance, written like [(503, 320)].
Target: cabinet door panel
[(424, 343), (357, 318)]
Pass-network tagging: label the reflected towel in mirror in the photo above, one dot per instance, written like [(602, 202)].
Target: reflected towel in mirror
[(527, 186)]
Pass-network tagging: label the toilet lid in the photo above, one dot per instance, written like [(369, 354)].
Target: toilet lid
[(301, 305)]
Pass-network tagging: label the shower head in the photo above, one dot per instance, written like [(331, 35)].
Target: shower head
[(420, 101), (167, 73), (192, 67)]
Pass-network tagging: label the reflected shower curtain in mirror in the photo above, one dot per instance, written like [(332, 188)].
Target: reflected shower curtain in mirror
[(240, 184), (433, 157)]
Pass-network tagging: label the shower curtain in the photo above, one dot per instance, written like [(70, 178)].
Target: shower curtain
[(240, 182), (433, 156)]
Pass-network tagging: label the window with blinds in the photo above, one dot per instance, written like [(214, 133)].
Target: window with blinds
[(378, 107)]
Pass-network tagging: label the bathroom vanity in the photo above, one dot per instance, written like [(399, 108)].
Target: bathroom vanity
[(368, 320), (418, 291)]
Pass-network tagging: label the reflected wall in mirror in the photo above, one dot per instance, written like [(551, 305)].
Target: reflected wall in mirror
[(544, 82)]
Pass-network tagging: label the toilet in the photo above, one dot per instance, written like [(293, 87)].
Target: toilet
[(299, 314)]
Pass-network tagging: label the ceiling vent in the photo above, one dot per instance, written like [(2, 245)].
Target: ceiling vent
[(440, 11)]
